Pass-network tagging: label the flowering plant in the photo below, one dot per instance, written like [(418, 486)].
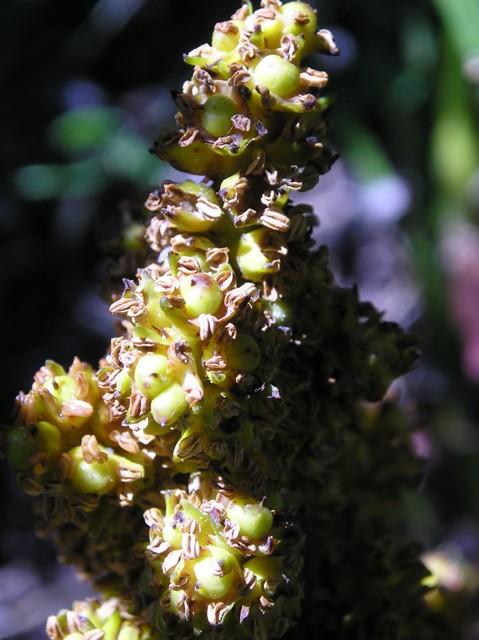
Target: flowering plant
[(232, 467)]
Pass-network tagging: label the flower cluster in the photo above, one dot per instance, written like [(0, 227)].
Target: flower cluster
[(197, 474)]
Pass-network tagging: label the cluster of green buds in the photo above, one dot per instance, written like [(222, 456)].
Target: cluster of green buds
[(95, 620), (213, 563), (249, 103), (197, 475)]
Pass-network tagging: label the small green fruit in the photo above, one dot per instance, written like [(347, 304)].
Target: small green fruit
[(278, 75), (217, 113), (254, 519), (151, 374), (92, 477), (201, 294), (209, 584), (169, 405)]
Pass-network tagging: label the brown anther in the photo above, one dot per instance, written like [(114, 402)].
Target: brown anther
[(189, 136), (166, 285), (241, 122), (158, 546), (246, 34), (190, 525), (189, 446), (216, 612), (307, 101), (204, 80), (193, 388), (181, 349), (226, 141), (54, 629), (241, 14), (188, 265), (183, 606), (129, 474), (247, 217), (215, 363), (73, 622), (217, 257), (156, 232), (289, 46), (248, 52), (237, 299), (274, 218), (226, 27), (207, 324), (139, 404), (132, 307), (190, 546), (91, 451), (327, 42), (267, 100), (226, 280), (265, 603), (271, 289), (185, 103), (239, 78), (208, 209), (298, 228), (171, 561), (314, 78), (76, 408), (153, 517), (248, 582), (265, 14), (301, 18)]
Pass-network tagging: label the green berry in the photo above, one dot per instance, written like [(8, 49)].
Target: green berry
[(250, 257), (151, 374), (217, 113), (201, 294), (282, 313), (278, 75), (92, 477), (225, 36), (264, 567), (305, 27), (209, 584), (34, 446), (62, 388), (243, 354), (272, 30), (169, 405), (254, 519), (172, 533)]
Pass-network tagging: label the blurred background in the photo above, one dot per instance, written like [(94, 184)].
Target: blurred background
[(84, 87)]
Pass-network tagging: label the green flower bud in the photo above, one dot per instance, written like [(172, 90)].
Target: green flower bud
[(300, 20), (152, 375), (278, 75), (172, 532), (217, 113), (243, 353), (215, 577), (34, 446), (251, 256), (98, 477), (254, 519), (225, 36), (201, 294), (168, 406)]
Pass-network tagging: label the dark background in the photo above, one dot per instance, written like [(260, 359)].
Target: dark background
[(84, 87)]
